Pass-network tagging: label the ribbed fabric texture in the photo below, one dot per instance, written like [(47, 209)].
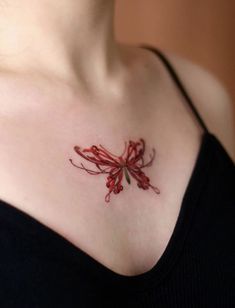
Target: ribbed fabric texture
[(40, 268)]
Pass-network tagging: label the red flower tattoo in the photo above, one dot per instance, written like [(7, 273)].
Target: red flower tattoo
[(129, 164)]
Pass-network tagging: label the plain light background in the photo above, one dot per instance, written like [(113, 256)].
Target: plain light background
[(202, 31)]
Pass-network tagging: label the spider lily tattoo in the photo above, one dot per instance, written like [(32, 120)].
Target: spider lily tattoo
[(129, 164)]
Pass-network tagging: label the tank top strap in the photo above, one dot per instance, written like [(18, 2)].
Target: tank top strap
[(178, 82)]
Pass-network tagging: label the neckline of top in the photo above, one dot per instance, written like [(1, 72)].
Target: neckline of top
[(107, 277)]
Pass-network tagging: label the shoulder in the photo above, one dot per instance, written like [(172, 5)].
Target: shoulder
[(210, 96)]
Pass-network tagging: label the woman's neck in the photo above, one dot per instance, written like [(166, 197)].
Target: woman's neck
[(71, 39)]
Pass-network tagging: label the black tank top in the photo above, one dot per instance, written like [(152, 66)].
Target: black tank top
[(40, 268)]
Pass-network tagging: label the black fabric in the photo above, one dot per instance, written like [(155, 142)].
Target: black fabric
[(40, 268)]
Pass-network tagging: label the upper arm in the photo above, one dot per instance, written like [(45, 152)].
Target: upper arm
[(211, 98)]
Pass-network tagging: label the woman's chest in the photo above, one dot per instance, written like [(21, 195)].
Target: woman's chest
[(127, 234)]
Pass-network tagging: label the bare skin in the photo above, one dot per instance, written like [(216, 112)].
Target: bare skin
[(49, 106)]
